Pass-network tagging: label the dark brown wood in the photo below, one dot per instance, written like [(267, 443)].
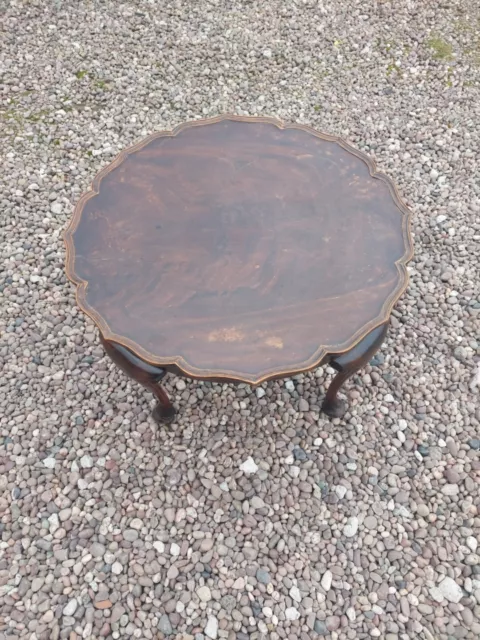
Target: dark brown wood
[(349, 363), (239, 249), (146, 374)]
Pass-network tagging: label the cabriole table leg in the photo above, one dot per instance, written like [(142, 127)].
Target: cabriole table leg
[(146, 374), (349, 363)]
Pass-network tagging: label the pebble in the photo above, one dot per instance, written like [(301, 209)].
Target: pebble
[(164, 625), (248, 466), (299, 454), (204, 594), (291, 613), (37, 584), (423, 450), (130, 535), (351, 528), (211, 629), (471, 543), (326, 581), (263, 576), (86, 462), (450, 590), (70, 608), (295, 594), (450, 490), (159, 546), (303, 405), (370, 522), (321, 628)]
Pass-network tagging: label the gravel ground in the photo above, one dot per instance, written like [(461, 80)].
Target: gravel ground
[(255, 516)]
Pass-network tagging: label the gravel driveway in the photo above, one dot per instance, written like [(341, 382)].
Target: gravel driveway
[(255, 516)]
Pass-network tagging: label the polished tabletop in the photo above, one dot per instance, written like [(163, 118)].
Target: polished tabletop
[(239, 248)]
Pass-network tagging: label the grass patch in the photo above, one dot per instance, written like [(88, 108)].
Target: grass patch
[(442, 50), (393, 67)]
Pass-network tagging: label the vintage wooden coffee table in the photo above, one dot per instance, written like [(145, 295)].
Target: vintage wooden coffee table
[(239, 249)]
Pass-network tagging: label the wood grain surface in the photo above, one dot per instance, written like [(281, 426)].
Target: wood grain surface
[(239, 248)]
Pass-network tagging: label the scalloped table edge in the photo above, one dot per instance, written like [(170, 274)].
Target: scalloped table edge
[(179, 361)]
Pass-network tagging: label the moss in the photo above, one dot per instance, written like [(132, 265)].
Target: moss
[(441, 50), (35, 117), (81, 74), (393, 67), (101, 84)]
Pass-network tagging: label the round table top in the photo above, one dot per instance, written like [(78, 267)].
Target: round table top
[(239, 248)]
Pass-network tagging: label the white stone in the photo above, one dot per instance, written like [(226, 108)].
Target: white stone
[(351, 528), (179, 607), (49, 462), (136, 523), (260, 392), (340, 490), (326, 581), (180, 384), (292, 614), (204, 593), (295, 594), (294, 471), (450, 490), (56, 208), (159, 546), (175, 549), (86, 462), (239, 584), (351, 615), (472, 543), (70, 608), (450, 590), (249, 466), (211, 629), (257, 502), (53, 523), (117, 568), (289, 386)]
